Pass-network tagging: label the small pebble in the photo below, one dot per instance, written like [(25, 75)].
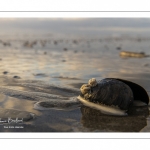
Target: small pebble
[(118, 48), (75, 42), (6, 44), (55, 42), (63, 60), (65, 49), (40, 74), (45, 53), (146, 65), (5, 72), (16, 77)]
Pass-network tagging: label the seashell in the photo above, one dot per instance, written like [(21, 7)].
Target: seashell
[(112, 95), (133, 54)]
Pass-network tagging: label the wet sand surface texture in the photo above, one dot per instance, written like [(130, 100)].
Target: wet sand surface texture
[(36, 70)]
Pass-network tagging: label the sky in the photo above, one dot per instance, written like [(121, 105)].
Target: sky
[(93, 27)]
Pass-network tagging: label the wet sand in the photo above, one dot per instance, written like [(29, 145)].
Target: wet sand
[(70, 63)]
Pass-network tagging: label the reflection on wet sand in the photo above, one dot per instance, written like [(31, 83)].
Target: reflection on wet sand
[(96, 121), (8, 114)]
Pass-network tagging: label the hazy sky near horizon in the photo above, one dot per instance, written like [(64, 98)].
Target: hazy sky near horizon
[(76, 26)]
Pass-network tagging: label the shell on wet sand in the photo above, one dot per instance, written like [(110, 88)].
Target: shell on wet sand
[(133, 54), (113, 96)]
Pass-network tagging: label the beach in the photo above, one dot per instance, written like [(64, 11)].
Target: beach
[(70, 62)]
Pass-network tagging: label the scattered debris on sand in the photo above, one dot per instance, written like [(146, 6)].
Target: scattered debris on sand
[(29, 44)]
